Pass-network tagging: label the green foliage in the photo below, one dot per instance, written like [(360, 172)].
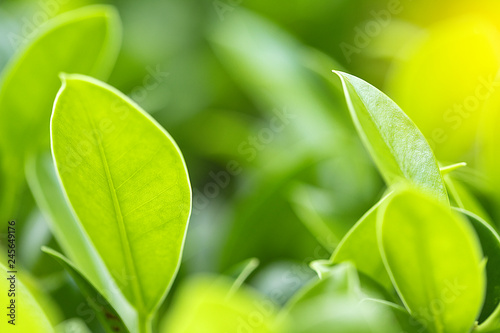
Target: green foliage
[(283, 159)]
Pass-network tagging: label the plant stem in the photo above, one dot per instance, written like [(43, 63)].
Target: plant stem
[(145, 324)]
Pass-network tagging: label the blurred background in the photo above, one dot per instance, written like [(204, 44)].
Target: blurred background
[(246, 90)]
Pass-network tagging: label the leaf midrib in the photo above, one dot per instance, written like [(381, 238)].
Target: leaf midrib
[(124, 240)]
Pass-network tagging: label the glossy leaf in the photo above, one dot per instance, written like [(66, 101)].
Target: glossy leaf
[(105, 313), (490, 244), (83, 41), (127, 183), (434, 259), (207, 304), (360, 246), (29, 315), (396, 145)]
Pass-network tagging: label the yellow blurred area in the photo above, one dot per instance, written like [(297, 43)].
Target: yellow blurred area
[(443, 78)]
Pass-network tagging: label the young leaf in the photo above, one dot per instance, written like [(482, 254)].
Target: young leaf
[(127, 183), (396, 145), (336, 302), (434, 260), (28, 314), (106, 314), (82, 41), (360, 247), (490, 243)]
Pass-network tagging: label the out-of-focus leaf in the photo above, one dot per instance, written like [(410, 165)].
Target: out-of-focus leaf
[(396, 145), (490, 244), (106, 314), (82, 41), (434, 259), (360, 246), (446, 75), (27, 312), (334, 302), (127, 183), (49, 196), (206, 304)]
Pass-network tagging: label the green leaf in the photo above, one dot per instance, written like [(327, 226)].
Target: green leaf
[(104, 312), (434, 260), (29, 315), (83, 41), (490, 243), (127, 183), (340, 300), (50, 198), (396, 145), (360, 246), (206, 304)]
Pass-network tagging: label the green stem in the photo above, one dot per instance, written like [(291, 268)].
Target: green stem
[(145, 324)]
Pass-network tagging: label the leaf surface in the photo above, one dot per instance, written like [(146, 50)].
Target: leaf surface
[(127, 183), (396, 145), (434, 259)]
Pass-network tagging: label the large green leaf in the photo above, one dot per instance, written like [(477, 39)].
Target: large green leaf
[(434, 259), (208, 304), (83, 41), (360, 246), (127, 183), (106, 314), (27, 312), (396, 145), (490, 243)]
